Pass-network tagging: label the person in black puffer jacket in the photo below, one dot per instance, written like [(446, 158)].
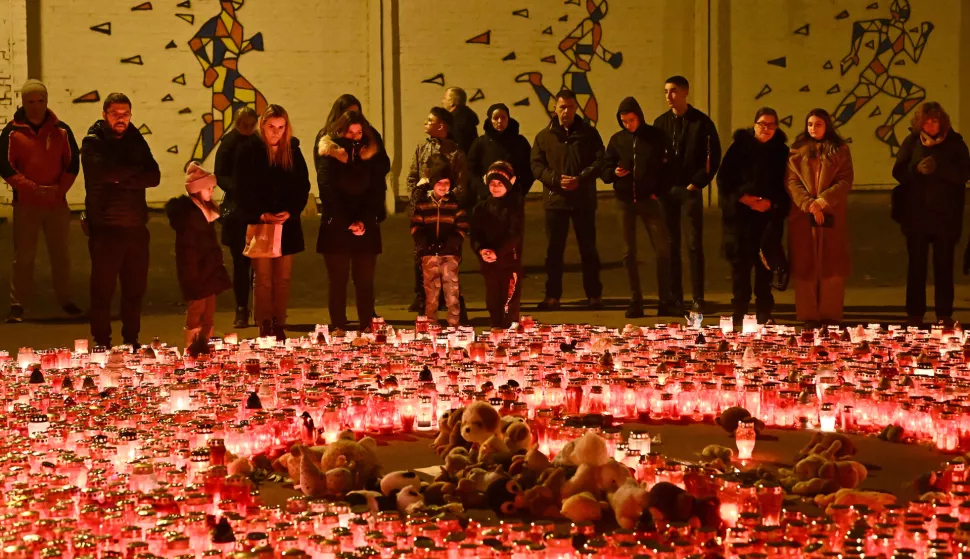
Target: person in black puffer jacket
[(349, 159), (118, 167), (198, 256), (496, 235), (273, 184), (234, 228), (932, 167), (635, 164), (500, 142), (754, 204)]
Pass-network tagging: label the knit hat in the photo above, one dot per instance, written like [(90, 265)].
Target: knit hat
[(497, 106), (33, 86), (500, 171), (197, 178)]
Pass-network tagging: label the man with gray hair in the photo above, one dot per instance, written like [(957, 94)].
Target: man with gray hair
[(465, 128), (40, 163)]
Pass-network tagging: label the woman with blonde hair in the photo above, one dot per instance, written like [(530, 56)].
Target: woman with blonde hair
[(932, 167), (819, 179), (273, 183)]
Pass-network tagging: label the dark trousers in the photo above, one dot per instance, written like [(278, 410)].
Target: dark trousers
[(918, 247), (498, 283), (242, 276), (340, 268), (742, 247), (117, 253), (557, 230), (651, 213), (685, 213)]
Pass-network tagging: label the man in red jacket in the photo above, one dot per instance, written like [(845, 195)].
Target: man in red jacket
[(40, 163)]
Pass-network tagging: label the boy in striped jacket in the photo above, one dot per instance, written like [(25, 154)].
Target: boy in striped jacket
[(439, 227)]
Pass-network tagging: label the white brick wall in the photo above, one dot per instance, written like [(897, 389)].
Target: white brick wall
[(317, 50)]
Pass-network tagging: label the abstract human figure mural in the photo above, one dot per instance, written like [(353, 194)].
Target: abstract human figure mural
[(581, 46), (217, 46), (891, 39)]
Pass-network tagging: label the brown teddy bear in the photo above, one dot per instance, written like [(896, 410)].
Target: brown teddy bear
[(449, 433), (480, 421), (731, 417), (822, 441), (582, 507), (820, 472), (518, 436), (356, 456), (628, 503)]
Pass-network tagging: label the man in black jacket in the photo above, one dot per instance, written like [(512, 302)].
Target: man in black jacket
[(693, 153), (566, 158), (118, 166), (635, 165), (465, 128)]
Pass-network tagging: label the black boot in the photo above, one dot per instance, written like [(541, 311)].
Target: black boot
[(242, 318), (278, 331), (417, 305), (266, 328), (462, 310), (635, 309)]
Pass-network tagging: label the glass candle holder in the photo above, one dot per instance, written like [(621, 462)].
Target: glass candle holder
[(744, 437)]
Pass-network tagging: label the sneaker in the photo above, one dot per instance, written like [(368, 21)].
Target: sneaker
[(16, 314), (595, 303), (242, 318), (548, 304), (417, 305), (634, 310), (73, 310)]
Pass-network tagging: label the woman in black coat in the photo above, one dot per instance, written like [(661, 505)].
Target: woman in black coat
[(273, 183), (351, 165), (751, 185), (233, 227), (932, 167), (501, 142)]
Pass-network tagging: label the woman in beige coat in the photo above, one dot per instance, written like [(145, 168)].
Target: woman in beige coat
[(818, 180)]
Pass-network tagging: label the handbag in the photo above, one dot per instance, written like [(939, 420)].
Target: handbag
[(263, 240)]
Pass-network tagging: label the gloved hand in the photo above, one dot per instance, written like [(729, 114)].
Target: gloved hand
[(926, 166)]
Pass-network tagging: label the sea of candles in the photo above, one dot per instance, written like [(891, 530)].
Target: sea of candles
[(119, 454)]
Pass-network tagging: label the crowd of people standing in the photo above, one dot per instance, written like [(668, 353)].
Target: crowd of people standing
[(465, 186)]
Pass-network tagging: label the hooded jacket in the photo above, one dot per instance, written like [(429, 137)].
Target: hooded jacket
[(507, 145), (643, 153), (349, 193), (576, 152), (116, 173), (932, 204), (419, 170), (693, 147), (498, 224), (754, 168), (198, 256), (265, 188), (465, 128), (48, 156)]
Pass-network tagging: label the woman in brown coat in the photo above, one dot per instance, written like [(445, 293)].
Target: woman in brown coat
[(818, 180)]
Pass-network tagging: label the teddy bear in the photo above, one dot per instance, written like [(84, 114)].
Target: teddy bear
[(597, 472), (438, 493), (628, 503), (717, 456), (479, 421), (821, 441), (395, 481), (731, 417), (449, 433), (876, 501), (493, 450), (543, 499), (582, 507), (504, 496), (518, 436), (457, 460), (820, 472), (356, 456), (668, 503)]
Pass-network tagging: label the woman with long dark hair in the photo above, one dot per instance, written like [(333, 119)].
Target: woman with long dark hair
[(932, 167), (273, 184), (233, 227), (751, 184), (350, 165), (500, 142), (819, 179)]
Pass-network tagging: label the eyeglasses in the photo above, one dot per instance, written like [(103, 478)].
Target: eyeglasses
[(766, 125)]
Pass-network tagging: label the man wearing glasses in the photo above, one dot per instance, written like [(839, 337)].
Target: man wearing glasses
[(118, 166)]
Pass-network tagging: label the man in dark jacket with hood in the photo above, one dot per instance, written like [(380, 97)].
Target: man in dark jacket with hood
[(465, 128), (566, 158), (500, 142), (693, 153), (118, 166), (635, 164), (754, 203)]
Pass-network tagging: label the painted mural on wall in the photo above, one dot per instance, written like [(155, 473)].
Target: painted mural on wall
[(218, 46), (893, 45), (581, 47)]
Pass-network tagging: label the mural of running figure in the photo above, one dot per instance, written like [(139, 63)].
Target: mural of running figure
[(890, 40), (581, 46), (217, 46)]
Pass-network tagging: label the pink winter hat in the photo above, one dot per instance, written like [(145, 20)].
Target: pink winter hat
[(197, 178)]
